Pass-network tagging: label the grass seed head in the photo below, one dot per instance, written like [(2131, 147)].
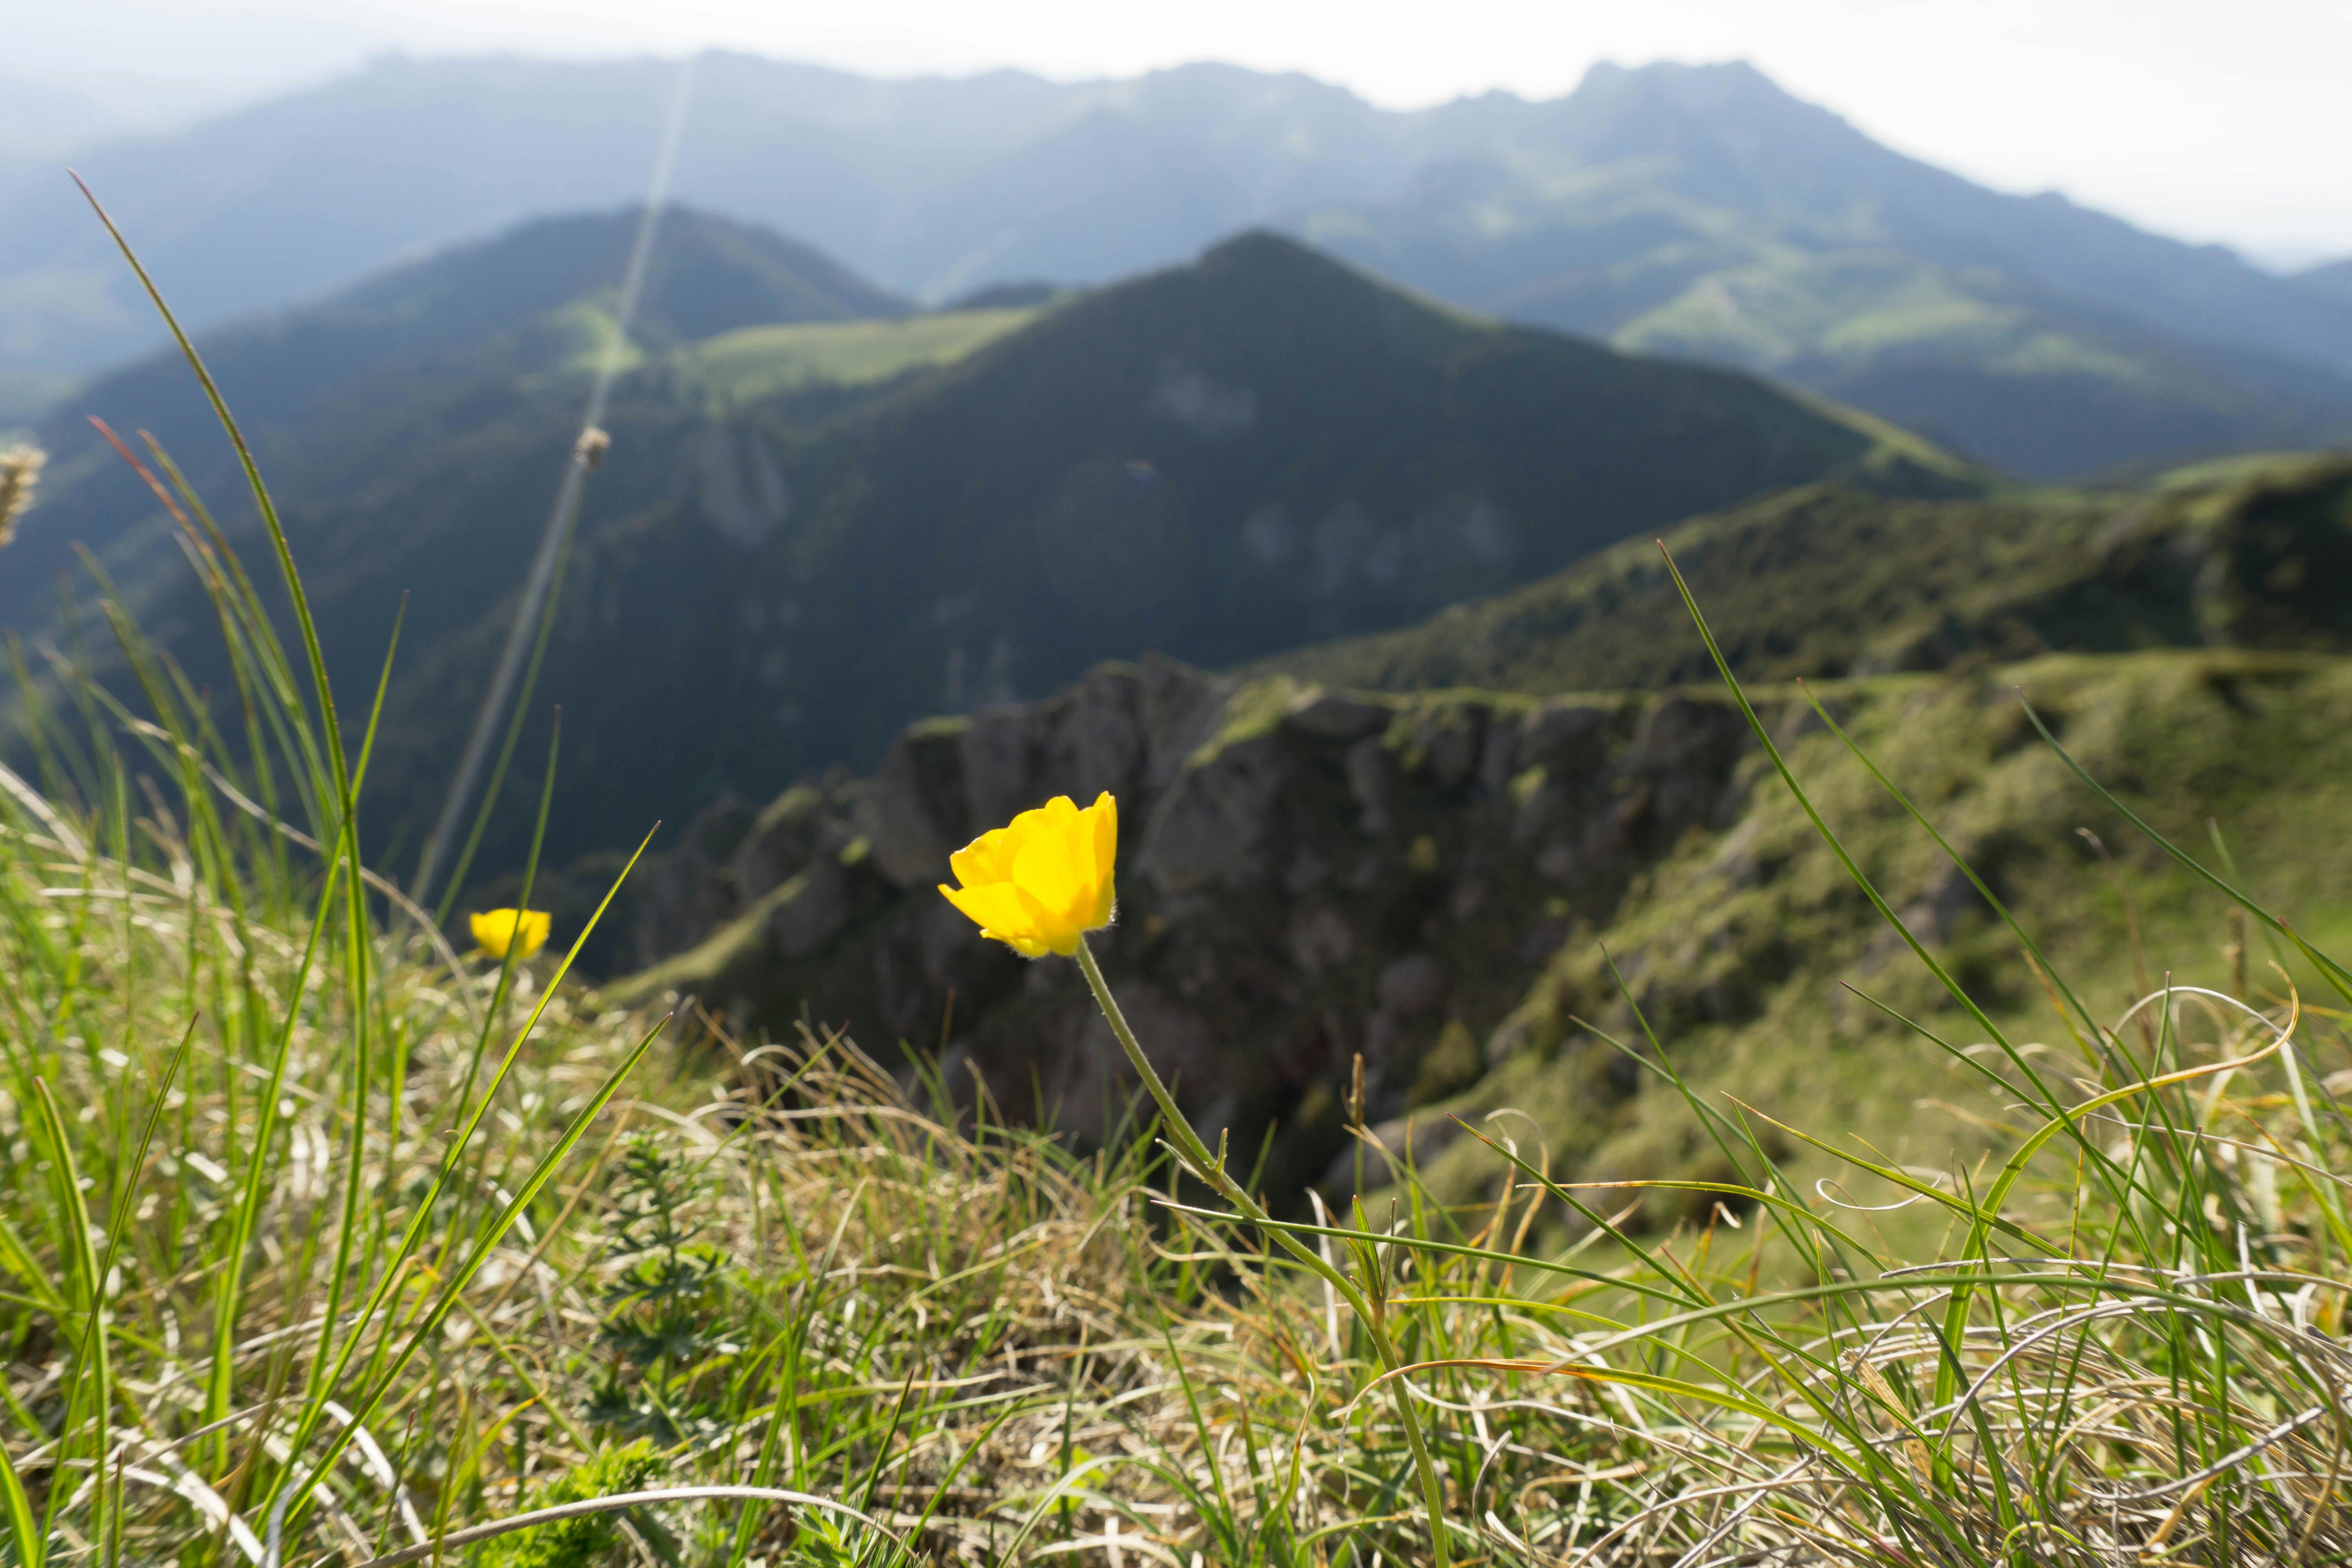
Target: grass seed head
[(20, 470)]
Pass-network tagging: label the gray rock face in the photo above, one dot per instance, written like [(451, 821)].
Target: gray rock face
[(1305, 877)]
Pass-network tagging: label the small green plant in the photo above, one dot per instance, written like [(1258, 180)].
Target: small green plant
[(588, 1540), (662, 1306)]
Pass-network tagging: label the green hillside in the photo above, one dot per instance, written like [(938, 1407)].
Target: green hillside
[(433, 380), (1828, 581), (754, 363)]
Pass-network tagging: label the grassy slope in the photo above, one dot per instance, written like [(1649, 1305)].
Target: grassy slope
[(976, 1337), (1826, 580), (752, 364), (1752, 957), (1736, 946), (776, 1268)]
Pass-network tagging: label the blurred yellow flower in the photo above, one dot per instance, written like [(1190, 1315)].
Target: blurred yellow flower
[(497, 930), (1043, 880)]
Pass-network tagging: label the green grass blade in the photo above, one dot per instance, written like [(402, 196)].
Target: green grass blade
[(454, 1285), (2338, 976)]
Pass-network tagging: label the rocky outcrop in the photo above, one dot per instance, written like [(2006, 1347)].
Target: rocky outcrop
[(1306, 876), (1516, 911)]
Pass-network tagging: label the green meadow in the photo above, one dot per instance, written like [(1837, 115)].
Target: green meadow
[(755, 363), (323, 1241)]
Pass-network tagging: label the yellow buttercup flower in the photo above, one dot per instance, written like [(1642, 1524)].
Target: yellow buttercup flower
[(1038, 885), (495, 931), (1043, 880)]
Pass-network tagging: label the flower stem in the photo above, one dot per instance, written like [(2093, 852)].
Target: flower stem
[(1197, 1158)]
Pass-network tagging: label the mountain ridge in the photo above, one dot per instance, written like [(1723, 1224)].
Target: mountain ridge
[(1824, 582), (1644, 191), (1161, 465), (802, 537), (2122, 343)]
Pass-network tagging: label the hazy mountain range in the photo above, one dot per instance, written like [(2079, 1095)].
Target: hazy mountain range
[(1694, 211), (824, 518), (39, 123), (2336, 278)]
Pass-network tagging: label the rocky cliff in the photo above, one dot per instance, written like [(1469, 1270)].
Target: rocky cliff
[(1309, 877)]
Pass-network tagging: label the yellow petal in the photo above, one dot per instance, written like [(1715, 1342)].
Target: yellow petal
[(493, 930), (993, 906), (1006, 913), (1075, 830), (1105, 816), (1033, 822), (1043, 870), (987, 858)]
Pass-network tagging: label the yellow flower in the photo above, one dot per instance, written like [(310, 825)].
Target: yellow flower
[(1045, 881), (497, 930)]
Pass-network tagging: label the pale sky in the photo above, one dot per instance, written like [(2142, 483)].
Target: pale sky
[(2228, 121)]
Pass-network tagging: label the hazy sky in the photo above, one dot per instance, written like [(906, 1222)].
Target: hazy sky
[(2222, 120)]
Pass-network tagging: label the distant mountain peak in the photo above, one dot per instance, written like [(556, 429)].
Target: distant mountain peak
[(1712, 76), (2330, 278), (1625, 110), (706, 274), (1260, 269), (1265, 250)]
